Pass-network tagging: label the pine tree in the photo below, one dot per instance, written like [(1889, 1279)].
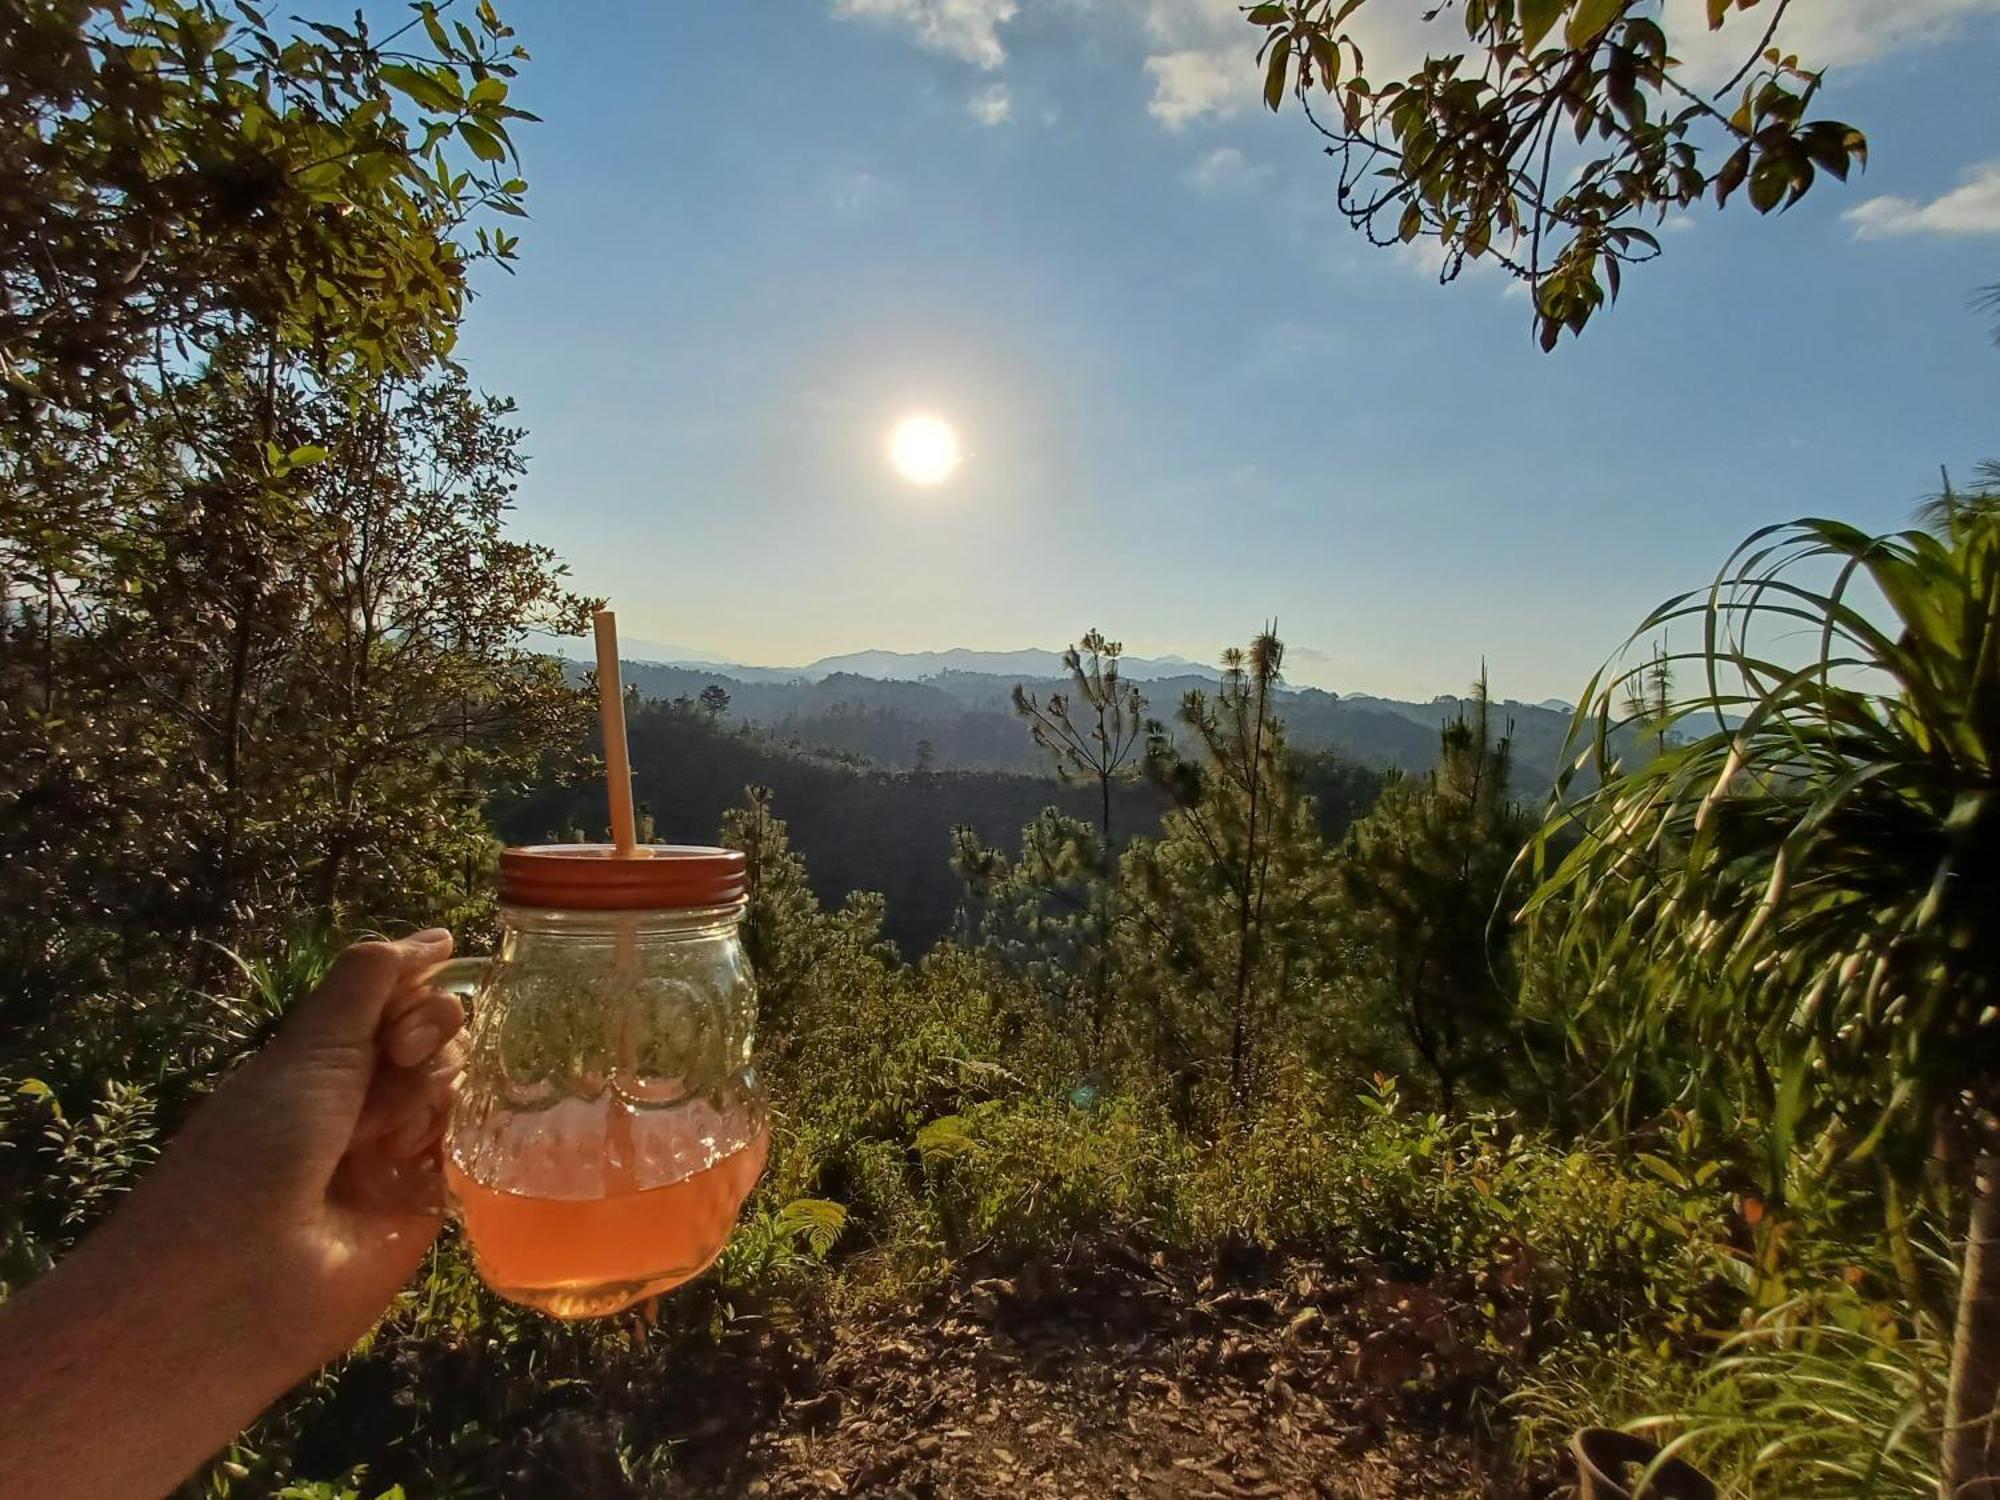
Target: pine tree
[(1229, 906), (1053, 912), (1420, 877), (793, 942), (1045, 913), (1096, 731)]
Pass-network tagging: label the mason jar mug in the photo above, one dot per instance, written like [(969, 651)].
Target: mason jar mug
[(609, 1122)]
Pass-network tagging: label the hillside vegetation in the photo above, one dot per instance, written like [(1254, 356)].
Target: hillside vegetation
[(860, 827), (1188, 1087), (966, 719)]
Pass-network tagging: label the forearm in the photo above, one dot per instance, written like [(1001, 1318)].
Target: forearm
[(136, 1359), (270, 1236)]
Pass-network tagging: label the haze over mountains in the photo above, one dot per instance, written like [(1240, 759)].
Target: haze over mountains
[(903, 666), (874, 757), (952, 711)]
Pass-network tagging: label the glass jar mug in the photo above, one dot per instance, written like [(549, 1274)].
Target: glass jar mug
[(609, 1123)]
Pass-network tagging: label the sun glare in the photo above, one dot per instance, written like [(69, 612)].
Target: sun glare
[(924, 449)]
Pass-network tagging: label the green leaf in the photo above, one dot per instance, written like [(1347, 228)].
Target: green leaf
[(34, 1088), (1413, 221), (308, 453), (1267, 15), (946, 1136), (1786, 1112), (1537, 17), (1768, 182), (817, 1221), (1591, 19), (417, 84), (1326, 60), (1665, 1170), (1274, 71), (489, 90), (1730, 178), (436, 32), (483, 145)]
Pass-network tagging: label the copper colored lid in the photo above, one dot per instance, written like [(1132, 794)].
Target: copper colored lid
[(591, 877)]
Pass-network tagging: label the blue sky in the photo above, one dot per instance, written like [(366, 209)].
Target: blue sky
[(1191, 399)]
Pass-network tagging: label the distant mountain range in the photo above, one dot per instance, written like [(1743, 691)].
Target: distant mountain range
[(883, 666), (959, 720)]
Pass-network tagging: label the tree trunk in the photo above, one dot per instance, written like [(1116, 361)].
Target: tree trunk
[(1969, 1468), (1239, 1065), (49, 643)]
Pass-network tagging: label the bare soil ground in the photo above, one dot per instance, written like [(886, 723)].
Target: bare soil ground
[(1122, 1370)]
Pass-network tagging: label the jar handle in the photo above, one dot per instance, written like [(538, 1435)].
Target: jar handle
[(463, 977)]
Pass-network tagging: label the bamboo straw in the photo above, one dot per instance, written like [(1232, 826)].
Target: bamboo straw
[(621, 1158), (617, 756)]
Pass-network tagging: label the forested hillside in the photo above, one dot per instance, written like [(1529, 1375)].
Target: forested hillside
[(965, 719), (862, 828)]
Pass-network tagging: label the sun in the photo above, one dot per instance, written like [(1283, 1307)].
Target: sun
[(924, 449)]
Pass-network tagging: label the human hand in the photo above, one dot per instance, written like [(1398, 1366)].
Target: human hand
[(268, 1239), (310, 1179)]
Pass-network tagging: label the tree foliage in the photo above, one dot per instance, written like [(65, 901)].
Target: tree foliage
[(1555, 136), (263, 699), (1421, 877), (1095, 732), (261, 653), (791, 940), (1229, 904), (181, 172), (1803, 885), (1049, 912), (1803, 875)]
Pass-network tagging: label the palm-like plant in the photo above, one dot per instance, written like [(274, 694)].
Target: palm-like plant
[(1804, 881)]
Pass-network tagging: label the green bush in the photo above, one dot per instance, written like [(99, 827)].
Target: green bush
[(1831, 1393), (1014, 1177)]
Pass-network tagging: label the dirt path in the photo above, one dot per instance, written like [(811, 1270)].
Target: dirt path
[(1121, 1372)]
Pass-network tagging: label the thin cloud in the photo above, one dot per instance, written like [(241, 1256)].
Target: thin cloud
[(1202, 59), (1426, 255), (1190, 84), (1973, 207), (992, 105), (968, 30), (1201, 56), (1225, 169), (859, 194), (1824, 34)]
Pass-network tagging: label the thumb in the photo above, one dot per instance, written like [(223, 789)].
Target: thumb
[(342, 1014)]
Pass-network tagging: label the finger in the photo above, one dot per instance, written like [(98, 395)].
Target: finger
[(400, 1096), (346, 1009), (420, 1135), (410, 1187), (418, 1026)]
